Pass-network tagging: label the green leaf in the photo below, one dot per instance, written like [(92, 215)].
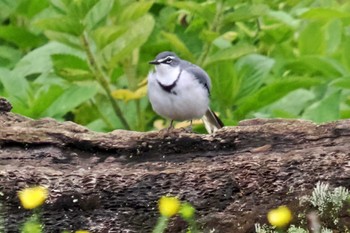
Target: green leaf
[(14, 85), (71, 67), (137, 35), (32, 7), (324, 110), (65, 38), (9, 56), (79, 9), (288, 106), (231, 53), (7, 7), (45, 95), (135, 10), (63, 24), (98, 13), (178, 45), (324, 13), (333, 35), (284, 18), (224, 90), (316, 65), (271, 93), (343, 82), (108, 34), (61, 6), (252, 70), (205, 10), (246, 12), (70, 99), (312, 39), (20, 36), (39, 60), (16, 89)]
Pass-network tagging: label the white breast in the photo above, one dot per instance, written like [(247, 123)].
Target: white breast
[(189, 98)]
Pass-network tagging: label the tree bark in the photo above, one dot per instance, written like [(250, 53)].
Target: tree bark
[(111, 182)]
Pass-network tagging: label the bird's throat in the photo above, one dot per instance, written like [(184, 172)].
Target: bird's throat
[(169, 87)]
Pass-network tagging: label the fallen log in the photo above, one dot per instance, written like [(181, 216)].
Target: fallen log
[(110, 182)]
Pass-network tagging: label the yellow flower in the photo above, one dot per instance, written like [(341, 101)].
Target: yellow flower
[(168, 206), (279, 217), (33, 197), (82, 231)]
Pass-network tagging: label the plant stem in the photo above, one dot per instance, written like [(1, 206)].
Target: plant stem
[(102, 80), (215, 26), (161, 225), (104, 119)]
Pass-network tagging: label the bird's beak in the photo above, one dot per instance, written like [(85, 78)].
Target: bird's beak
[(155, 62)]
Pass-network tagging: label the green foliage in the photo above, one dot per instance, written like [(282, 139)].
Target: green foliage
[(86, 60), (32, 225)]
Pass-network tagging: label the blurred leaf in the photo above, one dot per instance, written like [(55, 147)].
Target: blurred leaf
[(288, 106), (61, 24), (205, 10), (135, 10), (312, 39), (98, 13), (20, 36), (284, 18), (65, 38), (246, 12), (138, 33), (324, 110), (16, 89), (71, 67), (271, 93), (231, 53), (127, 95), (39, 60), (61, 6), (343, 82), (7, 7), (225, 83), (251, 70), (70, 99), (31, 8), (345, 58), (14, 85), (44, 97), (324, 13), (9, 56), (79, 9), (317, 65), (333, 35), (106, 35), (178, 45)]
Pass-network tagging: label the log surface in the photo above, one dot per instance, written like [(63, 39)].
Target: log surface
[(110, 182)]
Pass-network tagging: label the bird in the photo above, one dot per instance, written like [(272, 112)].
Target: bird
[(179, 90)]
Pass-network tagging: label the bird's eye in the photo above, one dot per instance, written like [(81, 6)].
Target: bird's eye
[(168, 60)]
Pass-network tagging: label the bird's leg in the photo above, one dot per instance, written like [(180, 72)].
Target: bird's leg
[(190, 128), (187, 129), (171, 125)]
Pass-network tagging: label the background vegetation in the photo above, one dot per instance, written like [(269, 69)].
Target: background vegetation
[(87, 60)]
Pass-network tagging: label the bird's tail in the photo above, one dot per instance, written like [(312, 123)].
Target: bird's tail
[(211, 121)]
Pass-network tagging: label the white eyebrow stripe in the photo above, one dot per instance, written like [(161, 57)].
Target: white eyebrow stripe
[(161, 60)]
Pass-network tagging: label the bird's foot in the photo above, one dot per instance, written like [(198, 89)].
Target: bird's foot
[(188, 129)]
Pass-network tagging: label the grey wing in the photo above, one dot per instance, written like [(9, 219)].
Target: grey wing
[(200, 74)]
